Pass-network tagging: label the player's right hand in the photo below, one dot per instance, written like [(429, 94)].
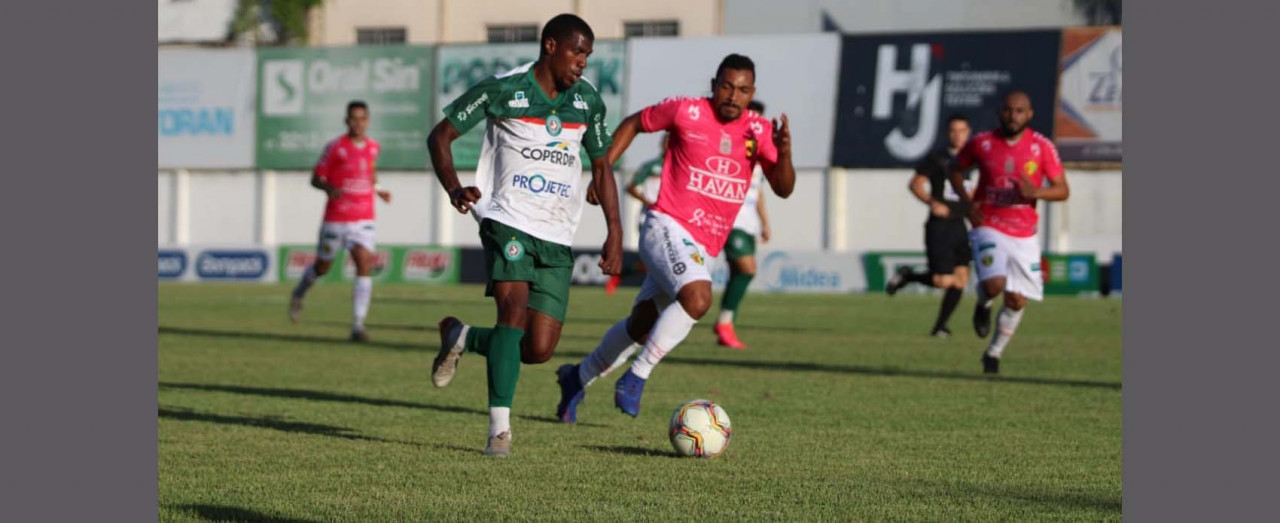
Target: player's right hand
[(334, 192), (591, 193), (462, 198), (611, 255), (939, 209)]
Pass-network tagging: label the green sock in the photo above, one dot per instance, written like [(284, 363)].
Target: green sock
[(503, 364), (478, 340), (734, 291)]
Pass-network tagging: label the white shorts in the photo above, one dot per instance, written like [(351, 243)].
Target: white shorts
[(671, 258), (342, 236), (1017, 259)]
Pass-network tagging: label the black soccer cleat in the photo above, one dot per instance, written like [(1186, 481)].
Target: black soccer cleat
[(990, 365), (897, 281), (981, 320)]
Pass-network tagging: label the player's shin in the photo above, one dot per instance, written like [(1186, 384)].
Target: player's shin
[(1006, 324), (308, 279), (360, 296), (612, 352), (672, 327), (503, 373)]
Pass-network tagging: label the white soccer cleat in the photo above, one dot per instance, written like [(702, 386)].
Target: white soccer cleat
[(295, 309), (453, 336), (499, 446)]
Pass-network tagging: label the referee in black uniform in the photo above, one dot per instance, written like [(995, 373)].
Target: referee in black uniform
[(946, 238)]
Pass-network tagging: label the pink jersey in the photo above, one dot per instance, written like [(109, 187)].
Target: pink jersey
[(349, 167), (999, 164), (708, 165)]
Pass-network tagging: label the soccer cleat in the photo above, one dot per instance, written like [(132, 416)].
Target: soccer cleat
[(726, 336), (452, 343), (990, 365), (611, 286), (626, 394), (897, 281), (358, 335), (981, 320), (941, 333), (499, 446), (295, 309), (571, 393)]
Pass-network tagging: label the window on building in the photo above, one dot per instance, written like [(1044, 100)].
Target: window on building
[(651, 28), (513, 33), (380, 35)]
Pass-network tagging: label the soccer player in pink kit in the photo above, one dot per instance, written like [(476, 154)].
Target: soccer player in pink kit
[(714, 143), (1013, 164), (347, 173)]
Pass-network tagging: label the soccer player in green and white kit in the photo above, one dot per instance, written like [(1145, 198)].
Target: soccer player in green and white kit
[(528, 198)]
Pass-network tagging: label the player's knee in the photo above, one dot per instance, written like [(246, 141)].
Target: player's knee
[(994, 286), (1014, 301), (322, 267), (696, 304), (943, 281), (537, 351)]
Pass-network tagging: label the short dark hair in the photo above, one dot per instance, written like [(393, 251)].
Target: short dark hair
[(757, 106), (1012, 91), (357, 104), (561, 28), (957, 117), (736, 61)]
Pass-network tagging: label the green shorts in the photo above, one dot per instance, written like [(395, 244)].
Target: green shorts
[(512, 255), (740, 244)]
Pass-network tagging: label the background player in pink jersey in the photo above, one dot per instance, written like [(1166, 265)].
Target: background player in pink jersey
[(347, 172), (706, 173), (1013, 164)]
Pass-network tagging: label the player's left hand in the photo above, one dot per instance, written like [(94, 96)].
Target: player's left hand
[(782, 135), (591, 193), (611, 259), (1027, 189), (765, 233), (385, 195)]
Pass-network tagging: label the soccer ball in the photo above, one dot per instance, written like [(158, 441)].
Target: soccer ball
[(700, 429)]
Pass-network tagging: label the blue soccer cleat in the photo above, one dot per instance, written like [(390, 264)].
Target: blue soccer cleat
[(626, 394), (571, 393)]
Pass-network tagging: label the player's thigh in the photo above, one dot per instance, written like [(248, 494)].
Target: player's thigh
[(740, 251), (960, 277), (330, 242), (695, 298), (1025, 277), (990, 253), (673, 259), (361, 234), (940, 240), (540, 338)]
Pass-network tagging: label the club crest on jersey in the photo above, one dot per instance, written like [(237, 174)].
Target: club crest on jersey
[(554, 125), (726, 144), (1031, 167), (986, 260), (696, 257), (578, 102), (513, 251), (520, 102), (751, 148)]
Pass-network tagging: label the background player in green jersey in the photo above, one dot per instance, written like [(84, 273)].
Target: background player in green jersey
[(528, 201)]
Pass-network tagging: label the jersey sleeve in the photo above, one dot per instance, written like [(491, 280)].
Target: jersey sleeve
[(597, 140), (1052, 163), (660, 116), (327, 159), (471, 107)]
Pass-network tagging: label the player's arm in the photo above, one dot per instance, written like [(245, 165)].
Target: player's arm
[(1057, 191), (765, 232), (440, 145), (634, 190), (937, 208), (320, 175), (373, 174), (623, 135), (779, 170), (596, 142)]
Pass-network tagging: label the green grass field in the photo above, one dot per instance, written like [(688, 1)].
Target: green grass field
[(843, 409)]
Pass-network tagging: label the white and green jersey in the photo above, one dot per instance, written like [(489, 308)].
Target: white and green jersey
[(530, 172), (748, 219)]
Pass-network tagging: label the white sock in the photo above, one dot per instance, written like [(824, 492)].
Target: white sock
[(726, 316), (611, 353), (672, 327), (360, 295), (499, 420), (308, 279), (1006, 323)]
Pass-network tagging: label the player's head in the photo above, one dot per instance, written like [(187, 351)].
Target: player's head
[(757, 106), (566, 43), (958, 130), (733, 87), (357, 118), (1015, 113)]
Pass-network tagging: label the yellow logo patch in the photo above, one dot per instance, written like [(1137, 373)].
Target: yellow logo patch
[(1031, 167)]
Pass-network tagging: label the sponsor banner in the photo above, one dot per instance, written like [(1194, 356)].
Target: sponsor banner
[(304, 92), (796, 75), (392, 264), (461, 66), (1088, 117), (586, 268), (232, 264), (879, 266), (1075, 273), (797, 272), (896, 91), (205, 110), (173, 264)]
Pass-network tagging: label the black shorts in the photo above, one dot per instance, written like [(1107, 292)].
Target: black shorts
[(946, 243)]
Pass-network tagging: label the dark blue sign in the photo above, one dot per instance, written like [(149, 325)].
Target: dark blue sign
[(173, 264)]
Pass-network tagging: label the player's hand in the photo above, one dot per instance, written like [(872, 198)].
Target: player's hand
[(975, 216), (385, 195), (462, 198), (333, 192), (611, 259), (765, 233), (939, 209), (591, 193), (782, 135), (1027, 189)]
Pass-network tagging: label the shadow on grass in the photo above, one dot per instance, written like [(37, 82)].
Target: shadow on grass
[(316, 395), (1041, 496), (237, 514), (799, 366), (631, 451), (292, 338)]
